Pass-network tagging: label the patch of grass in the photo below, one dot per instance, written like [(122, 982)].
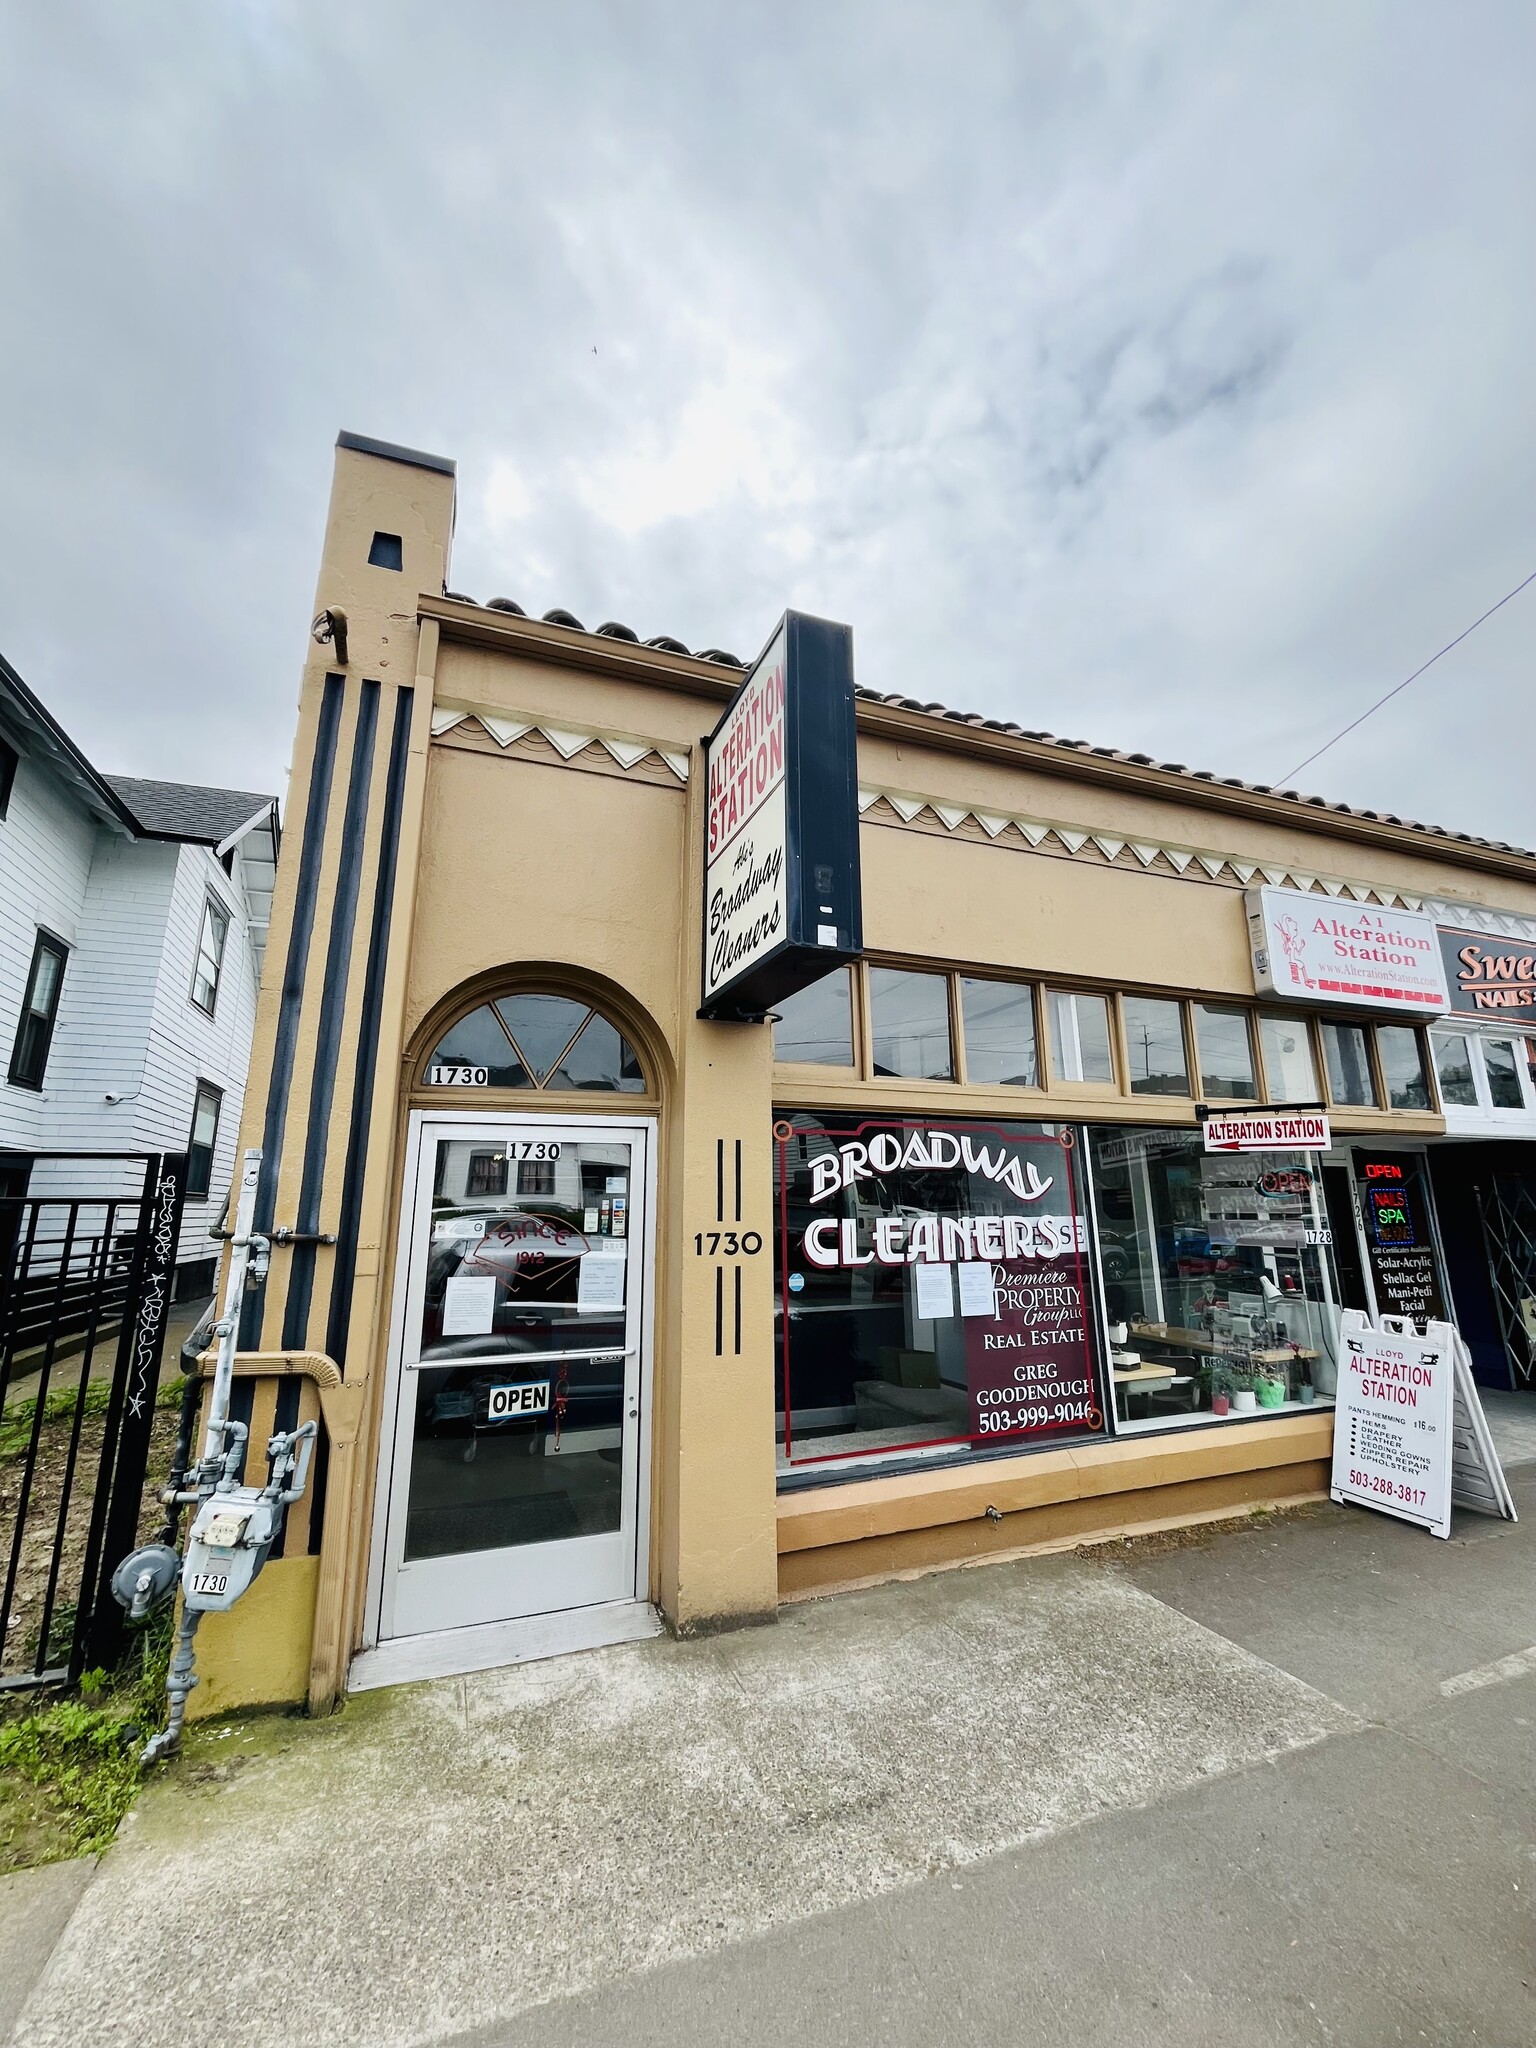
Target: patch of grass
[(69, 1770), (59, 1406)]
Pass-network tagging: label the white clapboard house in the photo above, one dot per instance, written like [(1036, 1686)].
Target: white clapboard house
[(132, 918)]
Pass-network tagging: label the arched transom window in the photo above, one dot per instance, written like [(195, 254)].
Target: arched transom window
[(535, 1042)]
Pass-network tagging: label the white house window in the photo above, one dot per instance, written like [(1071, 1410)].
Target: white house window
[(1453, 1063), (210, 956), (1486, 1076), (39, 1012), (536, 1177), (1503, 1068), (203, 1138)]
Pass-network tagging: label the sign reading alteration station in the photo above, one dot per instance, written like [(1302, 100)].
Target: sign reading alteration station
[(782, 903), (1268, 1130), (1321, 949)]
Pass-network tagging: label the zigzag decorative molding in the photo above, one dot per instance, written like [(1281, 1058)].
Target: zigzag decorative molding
[(567, 740), (1473, 917), (1073, 839), (629, 748)]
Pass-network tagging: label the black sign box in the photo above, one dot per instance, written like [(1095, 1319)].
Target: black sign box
[(1485, 974), (782, 902)]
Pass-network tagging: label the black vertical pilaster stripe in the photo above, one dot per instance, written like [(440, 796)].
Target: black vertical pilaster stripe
[(368, 1033), (291, 1001), (333, 1003)]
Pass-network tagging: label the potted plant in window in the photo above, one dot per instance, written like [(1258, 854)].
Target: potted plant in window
[(1271, 1386), (1245, 1398)]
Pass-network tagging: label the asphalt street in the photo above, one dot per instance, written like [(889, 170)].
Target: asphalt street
[(1376, 1887)]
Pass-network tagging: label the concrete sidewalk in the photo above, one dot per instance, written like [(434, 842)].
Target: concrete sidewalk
[(1274, 1786)]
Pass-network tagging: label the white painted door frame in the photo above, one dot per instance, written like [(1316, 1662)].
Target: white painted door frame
[(475, 1643)]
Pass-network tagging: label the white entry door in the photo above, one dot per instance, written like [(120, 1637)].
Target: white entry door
[(516, 1483)]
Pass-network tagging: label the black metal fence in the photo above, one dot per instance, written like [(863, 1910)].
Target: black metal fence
[(1508, 1210), (87, 1263)]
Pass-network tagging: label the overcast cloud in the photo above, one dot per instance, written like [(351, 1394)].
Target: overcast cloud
[(1158, 372)]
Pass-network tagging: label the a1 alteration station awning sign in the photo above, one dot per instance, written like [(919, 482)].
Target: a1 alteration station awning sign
[(782, 903), (1320, 949)]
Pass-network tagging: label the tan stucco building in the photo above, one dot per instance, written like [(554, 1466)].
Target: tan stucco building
[(615, 1313)]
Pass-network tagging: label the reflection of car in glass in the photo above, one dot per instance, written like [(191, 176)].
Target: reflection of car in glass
[(523, 1246), (534, 1257), (1118, 1251), (586, 1401)]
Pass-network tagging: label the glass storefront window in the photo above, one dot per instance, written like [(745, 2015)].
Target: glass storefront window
[(1226, 1053), (1349, 1066), (1453, 1064), (1504, 1090), (519, 1338), (814, 1027), (1154, 1044), (999, 1024), (911, 1024), (1402, 1066), (932, 1286), (1290, 1073), (1080, 1037), (1219, 1288)]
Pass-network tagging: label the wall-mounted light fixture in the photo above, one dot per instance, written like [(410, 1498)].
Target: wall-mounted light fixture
[(330, 630)]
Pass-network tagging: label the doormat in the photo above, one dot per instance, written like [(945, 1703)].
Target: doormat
[(490, 1525)]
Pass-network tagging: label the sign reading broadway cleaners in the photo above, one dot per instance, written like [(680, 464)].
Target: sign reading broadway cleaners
[(974, 1234), (1319, 949), (782, 904)]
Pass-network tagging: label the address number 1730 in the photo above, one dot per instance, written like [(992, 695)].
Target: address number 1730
[(726, 1244)]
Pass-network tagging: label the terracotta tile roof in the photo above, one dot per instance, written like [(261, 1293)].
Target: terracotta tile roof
[(612, 630)]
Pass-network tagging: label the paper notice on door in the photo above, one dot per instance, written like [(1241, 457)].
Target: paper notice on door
[(469, 1305), (935, 1291), (600, 1283), (978, 1295)]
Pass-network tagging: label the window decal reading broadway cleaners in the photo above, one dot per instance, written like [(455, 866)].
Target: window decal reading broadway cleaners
[(1318, 949), (978, 1231), (744, 888)]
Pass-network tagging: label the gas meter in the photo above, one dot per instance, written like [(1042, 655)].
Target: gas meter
[(235, 1525), (234, 1528)]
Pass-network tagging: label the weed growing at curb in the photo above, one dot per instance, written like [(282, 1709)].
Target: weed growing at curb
[(69, 1771)]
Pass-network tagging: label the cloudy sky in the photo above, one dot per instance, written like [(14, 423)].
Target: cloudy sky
[(1158, 372)]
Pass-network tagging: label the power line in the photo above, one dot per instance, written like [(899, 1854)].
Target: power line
[(1406, 681)]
